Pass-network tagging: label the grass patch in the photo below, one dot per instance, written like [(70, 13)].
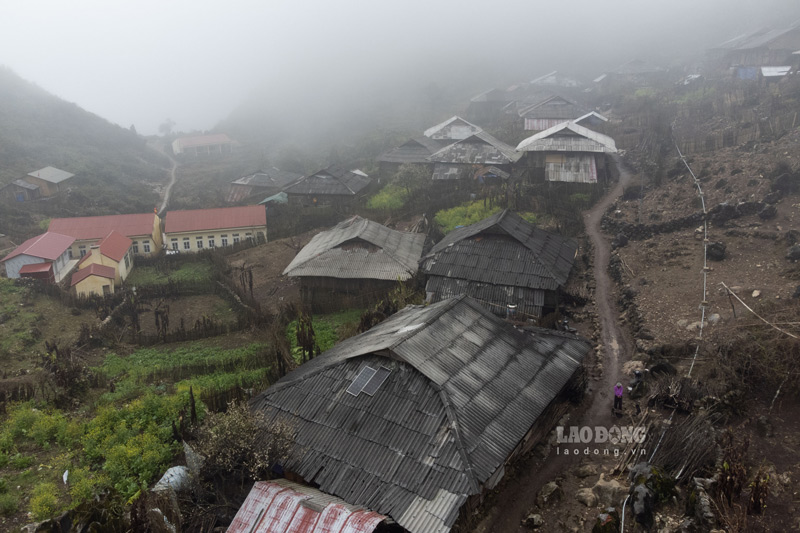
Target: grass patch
[(392, 196), (464, 215), (194, 272)]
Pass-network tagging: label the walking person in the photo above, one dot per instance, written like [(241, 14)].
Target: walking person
[(618, 398)]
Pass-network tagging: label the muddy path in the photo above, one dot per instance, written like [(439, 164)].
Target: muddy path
[(517, 495)]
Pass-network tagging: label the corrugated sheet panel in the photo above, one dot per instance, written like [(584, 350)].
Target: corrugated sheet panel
[(568, 137), (454, 128), (281, 506), (331, 181), (464, 389), (358, 248), (416, 150), (478, 149), (495, 297), (539, 124)]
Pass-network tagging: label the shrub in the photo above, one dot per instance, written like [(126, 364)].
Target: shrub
[(44, 502), (464, 215), (47, 428), (9, 503), (20, 461), (392, 196)]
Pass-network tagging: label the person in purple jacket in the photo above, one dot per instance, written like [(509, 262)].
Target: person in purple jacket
[(618, 396)]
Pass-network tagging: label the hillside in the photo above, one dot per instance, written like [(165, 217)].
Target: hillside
[(114, 169)]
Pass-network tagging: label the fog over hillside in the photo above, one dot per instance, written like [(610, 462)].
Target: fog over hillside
[(196, 62)]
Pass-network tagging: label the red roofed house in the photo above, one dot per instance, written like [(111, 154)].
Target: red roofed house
[(197, 229), (94, 279), (115, 251), (45, 257), (143, 229), (203, 145)]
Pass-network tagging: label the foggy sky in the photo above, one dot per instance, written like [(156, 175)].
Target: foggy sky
[(140, 62)]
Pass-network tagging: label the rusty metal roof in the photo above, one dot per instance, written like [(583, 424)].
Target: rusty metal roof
[(333, 180), (280, 506), (568, 137), (464, 388), (358, 248)]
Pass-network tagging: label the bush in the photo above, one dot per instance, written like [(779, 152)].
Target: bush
[(9, 503), (20, 461), (390, 197), (47, 428), (44, 502), (464, 215)]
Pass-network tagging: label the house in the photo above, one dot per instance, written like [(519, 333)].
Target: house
[(462, 158), (415, 151), (487, 107), (115, 251), (143, 229), (95, 279), (555, 79), (20, 191), (419, 416), (454, 129), (49, 180), (761, 48), (198, 229), (331, 187), (566, 153), (263, 183), (550, 112), (504, 262), (282, 506), (45, 256), (356, 262), (203, 145)]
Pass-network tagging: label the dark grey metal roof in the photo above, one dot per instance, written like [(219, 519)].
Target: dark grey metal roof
[(358, 248), (495, 297), (503, 249), (480, 148), (463, 390), (331, 181), (415, 150), (273, 177)]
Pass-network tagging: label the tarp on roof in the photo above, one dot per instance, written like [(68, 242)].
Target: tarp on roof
[(280, 506)]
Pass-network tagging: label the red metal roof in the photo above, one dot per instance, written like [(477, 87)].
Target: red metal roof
[(281, 506), (204, 140), (219, 218), (33, 268), (48, 246), (85, 228), (92, 270)]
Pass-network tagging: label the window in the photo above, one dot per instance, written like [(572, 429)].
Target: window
[(146, 246), (135, 247), (70, 253), (248, 236), (186, 243), (174, 244), (199, 243), (235, 238), (127, 261), (224, 239), (210, 241), (82, 250)]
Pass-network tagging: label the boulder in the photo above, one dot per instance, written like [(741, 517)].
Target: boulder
[(785, 183), (608, 491), (550, 493), (533, 521), (715, 251), (792, 237), (769, 212), (643, 505), (586, 497), (773, 197), (585, 471), (714, 319), (793, 252)]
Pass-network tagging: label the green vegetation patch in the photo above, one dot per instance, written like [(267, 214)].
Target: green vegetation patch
[(194, 272), (328, 330), (393, 196), (464, 215)]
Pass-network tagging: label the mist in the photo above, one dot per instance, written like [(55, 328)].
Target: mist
[(197, 62)]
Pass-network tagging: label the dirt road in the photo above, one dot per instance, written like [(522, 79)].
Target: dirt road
[(517, 495)]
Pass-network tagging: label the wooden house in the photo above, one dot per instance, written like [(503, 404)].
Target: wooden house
[(765, 47), (550, 112), (44, 257), (20, 191), (419, 417), (504, 262), (49, 180), (200, 229), (143, 229), (355, 263), (332, 187), (463, 158), (566, 153)]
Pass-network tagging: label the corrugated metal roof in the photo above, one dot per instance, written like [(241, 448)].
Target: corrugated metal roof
[(554, 107), (213, 219), (331, 181), (464, 388), (774, 72), (32, 268), (51, 174), (590, 114), (95, 269), (453, 128), (280, 506), (25, 185), (272, 179), (48, 246), (415, 150), (358, 248), (568, 137), (85, 228), (480, 148), (115, 245)]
